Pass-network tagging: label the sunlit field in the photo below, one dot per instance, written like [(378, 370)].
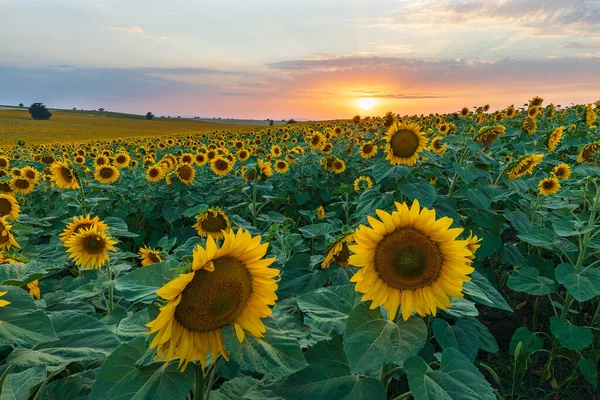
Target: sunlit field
[(449, 256)]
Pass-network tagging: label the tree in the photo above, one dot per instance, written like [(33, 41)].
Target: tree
[(149, 115), (271, 122), (101, 109), (74, 108), (21, 105), (39, 111)]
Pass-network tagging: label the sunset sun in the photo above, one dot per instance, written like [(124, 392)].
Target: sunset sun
[(366, 103)]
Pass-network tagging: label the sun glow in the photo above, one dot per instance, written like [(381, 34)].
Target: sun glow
[(366, 103)]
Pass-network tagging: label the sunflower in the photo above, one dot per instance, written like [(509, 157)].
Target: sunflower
[(101, 161), (487, 134), (34, 289), (122, 160), (276, 151), (339, 166), (410, 259), (525, 166), (64, 176), (265, 168), (536, 101), (464, 112), (106, 174), (89, 248), (437, 146), (473, 244), (31, 174), (281, 166), (149, 256), (4, 164), (404, 143), (221, 166), (433, 179), (21, 186), (588, 152), (80, 223), (530, 125), (212, 223), (9, 207), (185, 173), (362, 183), (339, 252), (7, 239), (3, 303), (562, 171), (243, 154), (554, 138), (317, 141), (508, 159), (229, 285), (320, 212), (549, 186), (155, 173), (200, 159), (590, 116), (368, 150)]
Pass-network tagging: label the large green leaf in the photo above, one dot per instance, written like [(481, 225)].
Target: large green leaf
[(584, 286), (372, 199), (142, 284), (530, 341), (327, 309), (73, 387), (120, 379), (23, 324), (298, 276), (422, 191), (328, 376), (447, 336), (118, 227), (20, 274), (17, 385), (589, 371), (370, 341), (275, 355), (382, 169), (528, 280), (80, 337), (456, 379), (569, 335), (482, 291), (486, 340)]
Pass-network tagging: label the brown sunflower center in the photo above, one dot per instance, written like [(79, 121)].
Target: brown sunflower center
[(184, 172), (5, 207), (82, 227), (94, 244), (343, 255), (548, 185), (404, 143), (121, 159), (215, 299), (22, 184), (106, 173), (154, 257), (214, 222), (66, 173), (153, 172), (221, 165), (408, 259)]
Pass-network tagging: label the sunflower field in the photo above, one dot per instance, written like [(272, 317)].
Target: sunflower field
[(450, 256)]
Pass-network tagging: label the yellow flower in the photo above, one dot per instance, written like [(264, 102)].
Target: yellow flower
[(410, 258), (221, 166), (106, 174), (185, 173), (339, 252), (9, 206), (404, 143), (34, 289), (7, 239), (229, 285), (473, 244), (3, 303), (587, 152), (530, 125), (368, 150), (549, 186), (22, 186), (149, 256), (80, 223), (212, 223), (562, 171), (437, 146), (89, 248), (362, 183), (320, 213), (525, 166), (155, 173), (554, 138), (281, 166)]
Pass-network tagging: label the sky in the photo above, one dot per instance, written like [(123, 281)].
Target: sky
[(311, 59)]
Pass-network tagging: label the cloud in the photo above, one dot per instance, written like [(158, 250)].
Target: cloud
[(581, 45), (129, 28)]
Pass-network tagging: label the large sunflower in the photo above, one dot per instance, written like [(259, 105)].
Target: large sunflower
[(31, 174), (368, 150), (562, 171), (227, 285), (410, 259), (404, 143), (7, 240), (281, 166), (221, 166), (185, 173), (106, 174), (149, 256), (530, 125), (155, 173), (212, 223), (80, 223), (339, 252), (64, 176), (89, 248), (525, 166), (22, 186), (549, 186), (9, 206)]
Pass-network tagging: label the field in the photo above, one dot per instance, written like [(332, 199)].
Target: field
[(430, 257), (69, 126)]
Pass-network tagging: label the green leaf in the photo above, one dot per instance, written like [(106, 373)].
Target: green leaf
[(547, 239), (80, 337), (461, 308), (482, 291), (467, 174), (422, 191), (571, 336), (372, 199), (20, 274), (454, 336), (133, 326), (18, 385), (142, 284), (298, 277), (23, 324), (73, 387), (528, 280), (172, 212), (473, 327), (118, 227), (370, 341), (582, 287), (566, 228), (457, 379), (196, 210), (275, 355), (530, 341), (316, 230), (328, 376), (119, 377), (519, 220), (382, 169), (477, 196), (589, 371), (327, 309)]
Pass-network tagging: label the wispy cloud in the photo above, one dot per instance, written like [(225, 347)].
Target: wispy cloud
[(129, 28)]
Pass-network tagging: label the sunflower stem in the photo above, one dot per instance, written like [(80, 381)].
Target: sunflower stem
[(199, 386), (383, 376), (82, 194), (404, 396), (211, 379), (110, 289)]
